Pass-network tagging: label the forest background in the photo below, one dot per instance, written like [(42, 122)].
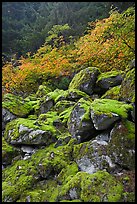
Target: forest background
[(51, 41)]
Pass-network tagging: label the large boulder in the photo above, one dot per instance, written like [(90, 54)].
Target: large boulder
[(121, 147), (107, 80), (85, 80), (29, 132), (80, 125), (104, 112)]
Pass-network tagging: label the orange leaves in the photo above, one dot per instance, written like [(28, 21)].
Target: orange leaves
[(108, 44)]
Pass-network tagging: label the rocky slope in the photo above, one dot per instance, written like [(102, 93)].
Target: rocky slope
[(76, 145)]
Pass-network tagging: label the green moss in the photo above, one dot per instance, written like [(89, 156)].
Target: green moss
[(130, 128), (32, 117), (17, 178), (85, 104), (42, 91), (13, 128), (109, 74), (71, 94), (79, 150), (60, 106), (127, 92), (64, 116), (8, 152), (113, 106), (67, 173), (55, 94), (112, 93), (82, 77), (97, 187), (16, 105)]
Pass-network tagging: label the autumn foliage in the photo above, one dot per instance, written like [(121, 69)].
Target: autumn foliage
[(109, 44)]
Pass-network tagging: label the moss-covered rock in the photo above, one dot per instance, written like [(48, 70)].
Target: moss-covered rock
[(71, 95), (112, 93), (92, 156), (104, 112), (60, 106), (16, 105), (24, 176), (85, 80), (26, 131), (98, 187), (16, 178), (8, 153), (127, 91), (122, 145), (43, 105), (42, 91), (109, 105), (106, 80), (80, 125)]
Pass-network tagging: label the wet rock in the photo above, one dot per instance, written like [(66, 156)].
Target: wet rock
[(7, 116), (103, 121), (85, 80), (80, 125), (44, 105), (105, 112), (107, 80)]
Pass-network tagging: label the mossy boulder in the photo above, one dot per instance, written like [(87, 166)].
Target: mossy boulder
[(25, 179), (43, 106), (8, 153), (104, 112), (80, 125), (92, 156), (127, 91), (98, 187), (42, 91), (16, 105), (122, 144), (106, 80), (30, 132), (112, 93), (71, 95), (85, 80)]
